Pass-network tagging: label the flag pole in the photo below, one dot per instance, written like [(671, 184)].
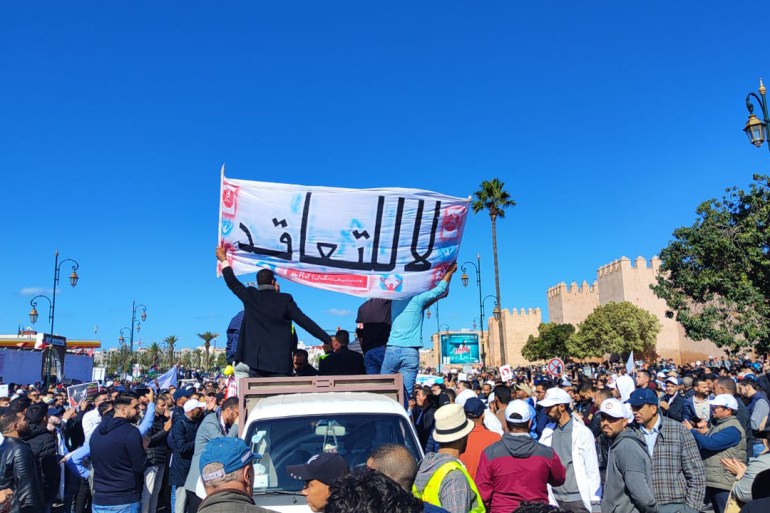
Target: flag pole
[(219, 224)]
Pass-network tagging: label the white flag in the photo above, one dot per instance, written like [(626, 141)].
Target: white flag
[(166, 380), (630, 363)]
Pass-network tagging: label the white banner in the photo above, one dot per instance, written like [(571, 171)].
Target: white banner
[(388, 243)]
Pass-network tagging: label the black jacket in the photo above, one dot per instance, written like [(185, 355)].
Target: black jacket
[(157, 449), (424, 423), (265, 342), (675, 408), (72, 430), (183, 431), (119, 460), (43, 445), (18, 471), (343, 362)]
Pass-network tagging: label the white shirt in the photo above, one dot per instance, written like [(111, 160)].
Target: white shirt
[(91, 421)]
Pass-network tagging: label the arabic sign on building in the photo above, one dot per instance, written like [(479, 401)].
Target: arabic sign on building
[(460, 348), (389, 243)]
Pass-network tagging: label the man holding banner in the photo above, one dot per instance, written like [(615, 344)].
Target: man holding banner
[(403, 350), (266, 343)]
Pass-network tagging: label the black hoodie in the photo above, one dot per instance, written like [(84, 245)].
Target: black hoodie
[(43, 445), (119, 460)]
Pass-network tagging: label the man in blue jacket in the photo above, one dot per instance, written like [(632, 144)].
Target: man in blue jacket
[(118, 459)]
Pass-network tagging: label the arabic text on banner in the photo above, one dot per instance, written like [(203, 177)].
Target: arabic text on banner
[(390, 243)]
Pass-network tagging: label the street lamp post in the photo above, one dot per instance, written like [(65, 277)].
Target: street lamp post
[(757, 130), (464, 279), (135, 321), (496, 315), (33, 314), (135, 326)]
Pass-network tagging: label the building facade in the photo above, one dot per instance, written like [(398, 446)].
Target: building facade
[(624, 280)]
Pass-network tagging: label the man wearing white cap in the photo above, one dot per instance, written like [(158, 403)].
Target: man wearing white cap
[(442, 479), (724, 438), (672, 404), (183, 432), (628, 486), (576, 447), (517, 468)]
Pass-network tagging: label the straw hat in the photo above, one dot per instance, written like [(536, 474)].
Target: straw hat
[(451, 424)]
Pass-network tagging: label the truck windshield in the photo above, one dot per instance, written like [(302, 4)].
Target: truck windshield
[(279, 443)]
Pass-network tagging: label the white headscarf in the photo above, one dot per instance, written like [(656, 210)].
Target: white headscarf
[(626, 386)]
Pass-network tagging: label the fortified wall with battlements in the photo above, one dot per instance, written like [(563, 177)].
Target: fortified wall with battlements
[(517, 327), (623, 280)]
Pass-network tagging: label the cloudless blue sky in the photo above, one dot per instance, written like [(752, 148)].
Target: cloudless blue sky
[(609, 122)]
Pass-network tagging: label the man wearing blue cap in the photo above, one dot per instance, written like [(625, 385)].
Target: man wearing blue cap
[(228, 477), (678, 476)]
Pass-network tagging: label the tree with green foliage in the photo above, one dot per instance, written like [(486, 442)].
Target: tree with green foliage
[(614, 328), (715, 274), (171, 341), (207, 337), (493, 198), (550, 342)]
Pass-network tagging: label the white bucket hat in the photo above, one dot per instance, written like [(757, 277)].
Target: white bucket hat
[(451, 424)]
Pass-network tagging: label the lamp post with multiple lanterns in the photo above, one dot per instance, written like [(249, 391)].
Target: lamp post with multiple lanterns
[(135, 326), (464, 279), (33, 314), (756, 130)]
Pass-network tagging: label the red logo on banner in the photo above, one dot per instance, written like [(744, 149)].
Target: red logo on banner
[(229, 200), (452, 222)]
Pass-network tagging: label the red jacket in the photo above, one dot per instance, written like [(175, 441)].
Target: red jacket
[(516, 469)]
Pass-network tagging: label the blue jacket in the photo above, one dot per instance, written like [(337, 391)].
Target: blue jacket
[(119, 461), (233, 333), (183, 431), (407, 315)]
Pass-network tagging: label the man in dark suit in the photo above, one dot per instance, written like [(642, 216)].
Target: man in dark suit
[(343, 361), (266, 342)]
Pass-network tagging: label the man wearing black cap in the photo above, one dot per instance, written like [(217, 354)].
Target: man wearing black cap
[(319, 473), (266, 340), (228, 477), (480, 438)]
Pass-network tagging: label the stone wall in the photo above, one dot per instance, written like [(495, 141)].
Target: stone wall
[(517, 327), (622, 280)]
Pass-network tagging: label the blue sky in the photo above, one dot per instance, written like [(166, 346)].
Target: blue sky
[(608, 122)]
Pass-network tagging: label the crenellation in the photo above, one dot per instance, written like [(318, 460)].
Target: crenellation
[(625, 280)]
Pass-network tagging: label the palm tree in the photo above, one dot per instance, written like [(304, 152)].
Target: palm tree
[(207, 337), (493, 198), (154, 352), (170, 341)]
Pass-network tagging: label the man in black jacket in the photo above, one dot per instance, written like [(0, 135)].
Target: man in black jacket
[(183, 432), (118, 458), (343, 361), (157, 452), (18, 468), (43, 445), (265, 342)]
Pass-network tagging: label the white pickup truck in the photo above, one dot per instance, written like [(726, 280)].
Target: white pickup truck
[(288, 420)]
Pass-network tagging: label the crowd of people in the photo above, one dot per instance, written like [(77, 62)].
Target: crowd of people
[(124, 450), (623, 438), (656, 438)]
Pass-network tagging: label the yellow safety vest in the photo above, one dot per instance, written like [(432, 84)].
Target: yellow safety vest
[(430, 493)]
